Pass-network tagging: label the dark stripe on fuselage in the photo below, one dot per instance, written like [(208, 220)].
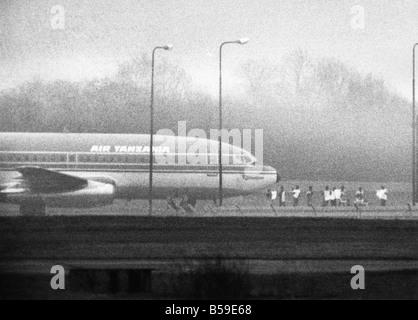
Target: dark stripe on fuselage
[(2, 197), (109, 144), (225, 170), (123, 166)]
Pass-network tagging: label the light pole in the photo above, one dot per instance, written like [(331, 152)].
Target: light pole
[(151, 144), (241, 41), (414, 131)]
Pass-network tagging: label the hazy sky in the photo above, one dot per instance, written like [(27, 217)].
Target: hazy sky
[(99, 34)]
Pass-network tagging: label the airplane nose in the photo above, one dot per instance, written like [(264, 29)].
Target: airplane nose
[(271, 170), (267, 174)]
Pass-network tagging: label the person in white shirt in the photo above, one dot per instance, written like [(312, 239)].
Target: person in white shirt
[(337, 193), (332, 197), (296, 195), (382, 194), (359, 196), (271, 195), (327, 196)]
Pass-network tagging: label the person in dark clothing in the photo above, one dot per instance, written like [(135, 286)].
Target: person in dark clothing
[(282, 197), (309, 196), (296, 196)]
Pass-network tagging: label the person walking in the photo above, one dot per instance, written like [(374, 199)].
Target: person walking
[(282, 197), (382, 194), (360, 197), (296, 195), (333, 197), (343, 201), (269, 195), (309, 196), (337, 193), (327, 197)]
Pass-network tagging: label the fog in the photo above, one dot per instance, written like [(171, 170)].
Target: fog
[(322, 119)]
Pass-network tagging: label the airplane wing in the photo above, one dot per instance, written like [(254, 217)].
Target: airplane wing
[(39, 180)]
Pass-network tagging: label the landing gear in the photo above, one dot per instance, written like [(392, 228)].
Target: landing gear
[(215, 202), (189, 200), (187, 203), (37, 208), (172, 204)]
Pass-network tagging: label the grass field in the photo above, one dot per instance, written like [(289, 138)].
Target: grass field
[(288, 252)]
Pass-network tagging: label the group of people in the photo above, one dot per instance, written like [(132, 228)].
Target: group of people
[(334, 197)]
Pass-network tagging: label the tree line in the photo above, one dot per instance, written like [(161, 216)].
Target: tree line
[(321, 118)]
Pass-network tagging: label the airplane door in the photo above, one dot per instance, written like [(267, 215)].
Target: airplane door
[(72, 161), (212, 169)]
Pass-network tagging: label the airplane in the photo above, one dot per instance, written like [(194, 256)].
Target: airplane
[(69, 170)]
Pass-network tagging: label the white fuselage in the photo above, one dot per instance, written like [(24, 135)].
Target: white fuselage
[(129, 171)]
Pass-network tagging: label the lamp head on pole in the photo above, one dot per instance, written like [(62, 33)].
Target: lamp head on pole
[(243, 41), (168, 47)]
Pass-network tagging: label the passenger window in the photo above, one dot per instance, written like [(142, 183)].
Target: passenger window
[(130, 159), (238, 159), (144, 158), (101, 159)]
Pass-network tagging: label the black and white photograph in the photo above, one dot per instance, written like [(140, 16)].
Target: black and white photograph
[(208, 155)]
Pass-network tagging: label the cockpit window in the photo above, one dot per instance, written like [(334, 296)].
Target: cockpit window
[(249, 159), (243, 159)]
